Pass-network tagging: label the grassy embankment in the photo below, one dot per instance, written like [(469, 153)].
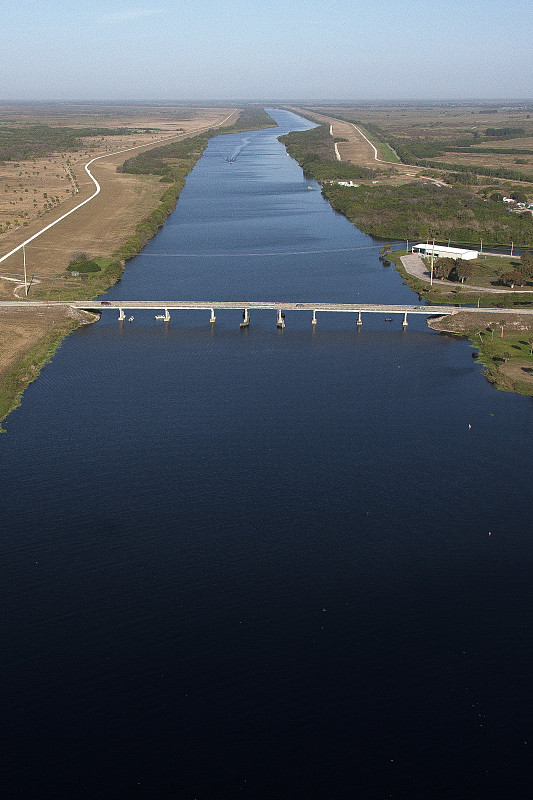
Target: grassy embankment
[(417, 211), (508, 360), (424, 152), (173, 162), (15, 380)]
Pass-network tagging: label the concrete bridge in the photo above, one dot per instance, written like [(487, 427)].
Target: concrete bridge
[(247, 307)]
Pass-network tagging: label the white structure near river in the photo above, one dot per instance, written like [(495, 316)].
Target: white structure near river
[(443, 251)]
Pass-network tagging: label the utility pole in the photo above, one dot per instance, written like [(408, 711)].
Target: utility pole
[(512, 248), (432, 257), (25, 276)]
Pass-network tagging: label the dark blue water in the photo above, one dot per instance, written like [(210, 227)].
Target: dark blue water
[(257, 563)]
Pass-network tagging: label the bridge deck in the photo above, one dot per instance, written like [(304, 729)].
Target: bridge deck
[(255, 305)]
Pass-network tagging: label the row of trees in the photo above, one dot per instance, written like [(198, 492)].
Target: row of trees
[(518, 196)]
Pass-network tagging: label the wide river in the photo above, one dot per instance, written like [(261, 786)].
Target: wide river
[(262, 563)]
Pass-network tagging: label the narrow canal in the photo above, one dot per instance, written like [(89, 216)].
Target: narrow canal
[(265, 563)]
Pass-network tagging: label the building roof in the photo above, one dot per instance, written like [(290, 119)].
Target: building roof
[(444, 250)]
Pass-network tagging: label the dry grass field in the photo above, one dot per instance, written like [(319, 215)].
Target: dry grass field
[(446, 122), (506, 160)]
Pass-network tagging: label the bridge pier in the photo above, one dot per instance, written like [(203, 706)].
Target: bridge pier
[(167, 315), (313, 321), (213, 318), (121, 315), (281, 322), (404, 323), (359, 320), (245, 318)]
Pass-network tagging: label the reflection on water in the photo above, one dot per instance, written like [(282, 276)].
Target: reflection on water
[(255, 561)]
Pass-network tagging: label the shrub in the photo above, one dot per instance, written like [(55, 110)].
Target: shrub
[(84, 265)]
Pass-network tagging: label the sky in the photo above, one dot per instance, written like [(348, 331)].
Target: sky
[(265, 50)]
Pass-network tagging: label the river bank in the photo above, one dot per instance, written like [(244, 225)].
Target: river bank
[(114, 227), (28, 340)]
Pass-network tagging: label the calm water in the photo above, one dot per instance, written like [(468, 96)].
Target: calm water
[(257, 563)]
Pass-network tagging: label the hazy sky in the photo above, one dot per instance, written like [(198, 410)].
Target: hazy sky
[(277, 49)]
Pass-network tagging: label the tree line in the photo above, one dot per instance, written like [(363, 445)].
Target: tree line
[(421, 211)]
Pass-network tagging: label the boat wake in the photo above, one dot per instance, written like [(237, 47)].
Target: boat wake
[(238, 150)]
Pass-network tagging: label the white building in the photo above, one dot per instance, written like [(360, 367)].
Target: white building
[(440, 250)]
